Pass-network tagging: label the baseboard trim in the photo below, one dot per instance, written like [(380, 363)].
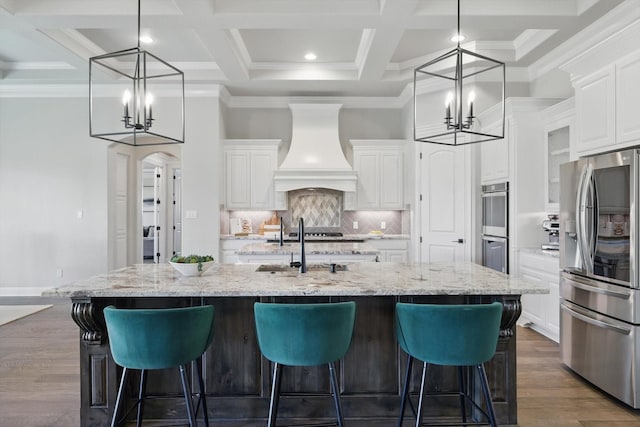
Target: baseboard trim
[(22, 291)]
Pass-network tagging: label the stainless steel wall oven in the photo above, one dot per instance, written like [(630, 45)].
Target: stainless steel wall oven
[(495, 226)]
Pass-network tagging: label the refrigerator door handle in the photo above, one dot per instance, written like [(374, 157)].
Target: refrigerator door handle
[(585, 317), (594, 289), (581, 215)]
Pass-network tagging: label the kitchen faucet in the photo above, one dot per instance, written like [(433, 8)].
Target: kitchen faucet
[(303, 259)]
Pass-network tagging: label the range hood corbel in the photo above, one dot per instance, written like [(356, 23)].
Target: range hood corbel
[(315, 158)]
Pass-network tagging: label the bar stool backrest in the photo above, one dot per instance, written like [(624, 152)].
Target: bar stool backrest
[(304, 334), (158, 338), (453, 335)]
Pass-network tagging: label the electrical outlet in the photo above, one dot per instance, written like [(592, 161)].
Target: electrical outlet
[(383, 225), (355, 225), (59, 273)]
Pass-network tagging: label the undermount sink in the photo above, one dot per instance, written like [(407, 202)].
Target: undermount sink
[(279, 268)]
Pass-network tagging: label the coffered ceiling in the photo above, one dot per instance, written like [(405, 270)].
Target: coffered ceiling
[(257, 47)]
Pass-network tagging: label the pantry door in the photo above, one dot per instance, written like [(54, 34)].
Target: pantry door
[(446, 208)]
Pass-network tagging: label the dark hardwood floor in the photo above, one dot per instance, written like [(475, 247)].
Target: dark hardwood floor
[(39, 379)]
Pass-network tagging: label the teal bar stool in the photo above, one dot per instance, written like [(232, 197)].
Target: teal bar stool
[(304, 335), (145, 339), (450, 335)]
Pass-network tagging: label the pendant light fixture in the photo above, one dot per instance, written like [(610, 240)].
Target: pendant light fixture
[(455, 77), (135, 98)]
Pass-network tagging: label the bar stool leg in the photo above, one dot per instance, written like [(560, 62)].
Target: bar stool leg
[(487, 395), (422, 387), (336, 393), (141, 394), (123, 380), (202, 397), (275, 394), (463, 393), (405, 389), (187, 396)]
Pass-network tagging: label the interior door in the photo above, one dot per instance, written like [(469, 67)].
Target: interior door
[(445, 206)]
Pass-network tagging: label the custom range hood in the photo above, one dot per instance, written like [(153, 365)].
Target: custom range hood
[(315, 158)]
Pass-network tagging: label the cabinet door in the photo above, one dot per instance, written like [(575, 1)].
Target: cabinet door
[(553, 307), (368, 180), (494, 159), (391, 180), (557, 151), (237, 185), (627, 96), (595, 96), (533, 305), (262, 192), (396, 256)]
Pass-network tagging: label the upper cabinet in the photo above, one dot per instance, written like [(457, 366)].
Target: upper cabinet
[(380, 168), (627, 98), (606, 107), (249, 167), (595, 110), (559, 122), (494, 160)]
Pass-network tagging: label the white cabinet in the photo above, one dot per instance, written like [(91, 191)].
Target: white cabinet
[(627, 98), (380, 168), (391, 250), (595, 103), (494, 160), (249, 167), (558, 130), (541, 311), (311, 259), (606, 107), (228, 248)]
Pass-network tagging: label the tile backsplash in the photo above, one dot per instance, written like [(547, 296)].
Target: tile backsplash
[(323, 211)]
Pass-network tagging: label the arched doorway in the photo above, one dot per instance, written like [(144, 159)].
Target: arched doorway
[(161, 202), (126, 193)]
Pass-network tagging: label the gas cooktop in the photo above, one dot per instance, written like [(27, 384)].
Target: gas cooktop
[(318, 234)]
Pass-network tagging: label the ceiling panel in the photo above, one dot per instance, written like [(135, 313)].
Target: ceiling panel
[(276, 46)]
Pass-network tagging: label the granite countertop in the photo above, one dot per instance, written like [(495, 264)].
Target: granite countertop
[(362, 279), (311, 248)]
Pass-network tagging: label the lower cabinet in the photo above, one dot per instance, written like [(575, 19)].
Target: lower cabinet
[(229, 247), (311, 259), (541, 312), (391, 250)]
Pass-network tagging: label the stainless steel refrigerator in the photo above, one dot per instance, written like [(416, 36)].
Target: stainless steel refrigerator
[(599, 295)]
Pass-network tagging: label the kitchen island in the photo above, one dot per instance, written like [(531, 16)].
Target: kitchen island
[(237, 378)]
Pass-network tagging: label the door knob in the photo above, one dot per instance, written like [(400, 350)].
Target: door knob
[(458, 241)]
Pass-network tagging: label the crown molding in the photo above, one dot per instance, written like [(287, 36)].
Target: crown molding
[(284, 101), (82, 91), (562, 56)]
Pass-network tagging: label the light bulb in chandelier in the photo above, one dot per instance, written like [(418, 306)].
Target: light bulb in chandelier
[(453, 123)]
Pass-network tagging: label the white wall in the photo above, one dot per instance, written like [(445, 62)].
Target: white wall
[(50, 172), (201, 175)]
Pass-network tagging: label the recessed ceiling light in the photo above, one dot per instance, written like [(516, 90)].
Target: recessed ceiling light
[(457, 38), (310, 56), (146, 39)]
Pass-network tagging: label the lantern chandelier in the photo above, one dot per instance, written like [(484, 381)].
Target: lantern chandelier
[(139, 78), (457, 74)]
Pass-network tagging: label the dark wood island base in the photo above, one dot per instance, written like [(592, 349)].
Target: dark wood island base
[(238, 378)]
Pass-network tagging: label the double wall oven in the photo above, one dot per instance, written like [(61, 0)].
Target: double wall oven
[(599, 289), (495, 226)]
